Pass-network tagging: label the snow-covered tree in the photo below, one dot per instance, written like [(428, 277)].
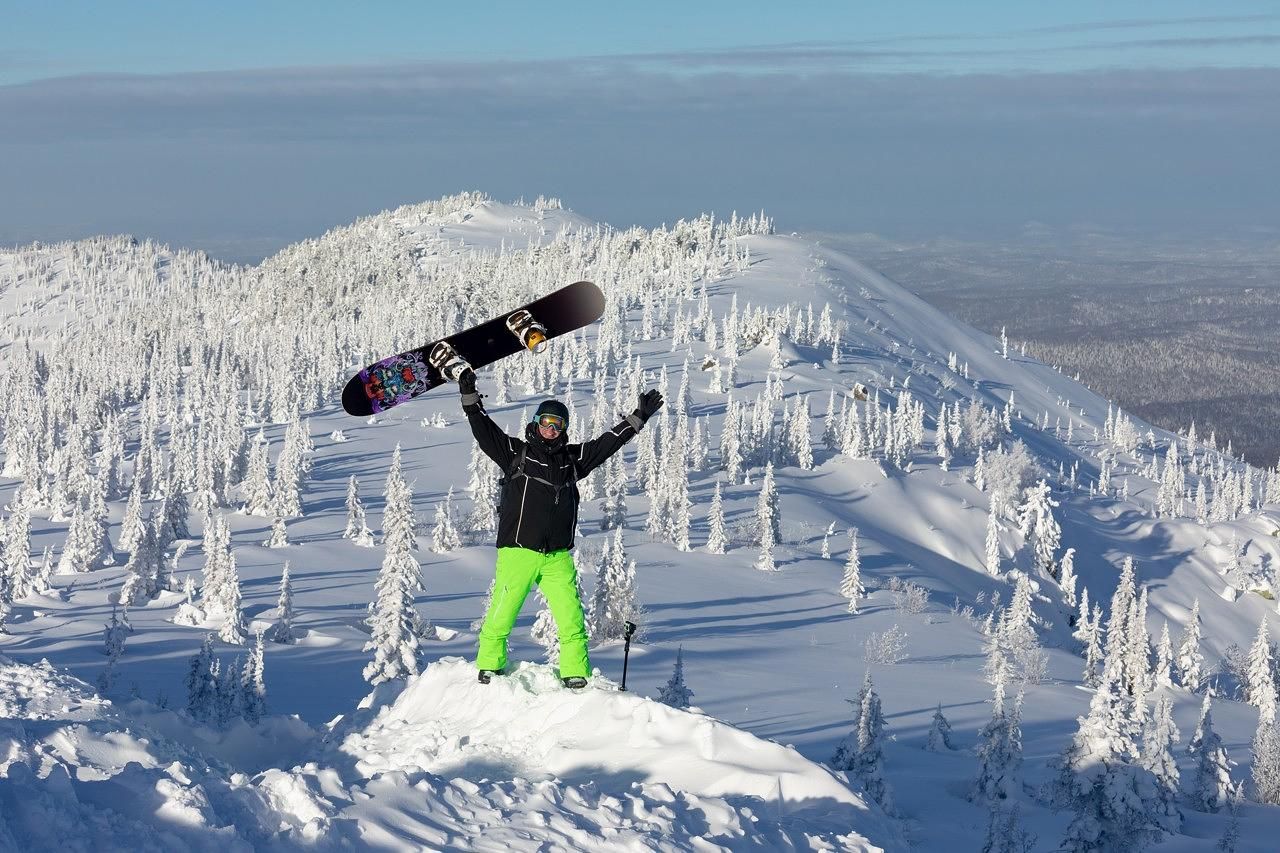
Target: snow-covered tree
[(444, 534), (1005, 832), (1190, 662), (999, 750), (279, 535), (256, 487), (1212, 787), (1067, 577), (1039, 528), (113, 639), (1158, 738), (614, 601), (393, 621), (282, 630), (992, 560), (545, 633), (357, 528), (202, 684), (851, 584), (861, 753), (717, 534), (939, 733), (253, 687), (233, 629), (675, 693), (1260, 682), (1266, 762)]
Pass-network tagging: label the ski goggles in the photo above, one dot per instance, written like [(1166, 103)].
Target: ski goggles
[(552, 422)]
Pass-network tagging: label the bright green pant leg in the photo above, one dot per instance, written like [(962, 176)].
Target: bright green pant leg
[(517, 571), (559, 584)]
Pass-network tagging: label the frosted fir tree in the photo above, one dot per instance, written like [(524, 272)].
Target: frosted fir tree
[(1260, 683), (1190, 662), (233, 629), (282, 630), (826, 541), (851, 583), (227, 704), (444, 534), (545, 634), (256, 487), (1005, 832), (675, 693), (114, 634), (132, 527), (202, 684), (613, 506), (999, 751), (253, 687), (768, 513), (1212, 787), (357, 529), (861, 753), (1265, 781), (279, 535), (1039, 528), (764, 561), (1163, 675), (287, 487), (144, 568), (1067, 577), (1158, 738), (939, 733), (393, 621), (614, 601), (1093, 649), (992, 560), (718, 534)]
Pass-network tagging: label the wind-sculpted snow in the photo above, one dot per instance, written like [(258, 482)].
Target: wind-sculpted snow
[(443, 767)]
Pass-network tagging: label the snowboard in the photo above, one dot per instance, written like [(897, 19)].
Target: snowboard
[(398, 379)]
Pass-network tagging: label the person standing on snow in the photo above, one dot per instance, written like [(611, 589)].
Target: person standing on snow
[(536, 520)]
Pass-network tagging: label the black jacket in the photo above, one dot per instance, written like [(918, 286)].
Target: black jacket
[(539, 507)]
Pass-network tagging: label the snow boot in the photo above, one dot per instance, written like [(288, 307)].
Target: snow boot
[(574, 682), (486, 674)]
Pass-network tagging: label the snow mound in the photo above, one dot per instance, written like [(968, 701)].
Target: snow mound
[(526, 727)]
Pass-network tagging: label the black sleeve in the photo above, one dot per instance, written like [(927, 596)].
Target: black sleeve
[(593, 453), (495, 443)]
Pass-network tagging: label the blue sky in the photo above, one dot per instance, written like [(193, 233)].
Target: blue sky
[(239, 126)]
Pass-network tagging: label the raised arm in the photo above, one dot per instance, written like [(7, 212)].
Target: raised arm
[(495, 443), (593, 453)]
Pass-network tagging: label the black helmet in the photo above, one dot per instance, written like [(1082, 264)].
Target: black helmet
[(552, 407)]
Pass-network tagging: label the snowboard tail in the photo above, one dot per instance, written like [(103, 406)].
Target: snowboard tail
[(400, 378)]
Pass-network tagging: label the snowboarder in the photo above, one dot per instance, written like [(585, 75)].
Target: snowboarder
[(536, 518)]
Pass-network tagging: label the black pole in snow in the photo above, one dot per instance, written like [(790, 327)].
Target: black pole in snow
[(626, 651)]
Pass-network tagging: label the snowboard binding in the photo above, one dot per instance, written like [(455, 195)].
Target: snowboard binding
[(531, 334), (446, 360)]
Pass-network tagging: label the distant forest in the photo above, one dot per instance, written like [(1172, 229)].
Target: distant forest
[(1173, 332)]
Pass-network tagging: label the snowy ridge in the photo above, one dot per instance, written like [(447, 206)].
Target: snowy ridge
[(776, 655)]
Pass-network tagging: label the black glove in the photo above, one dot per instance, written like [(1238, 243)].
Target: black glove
[(650, 402), (467, 382)]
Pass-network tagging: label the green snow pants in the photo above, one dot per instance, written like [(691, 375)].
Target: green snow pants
[(518, 570)]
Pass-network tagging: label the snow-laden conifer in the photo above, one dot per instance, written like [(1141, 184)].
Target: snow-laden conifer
[(1260, 682), (1189, 661), (1039, 528), (256, 488), (675, 692), (717, 534), (999, 750), (992, 560), (233, 629), (202, 685), (1211, 785), (113, 639), (253, 687), (279, 535), (545, 634), (444, 533), (357, 528), (939, 733), (861, 753), (1158, 738), (393, 621), (282, 630), (851, 583), (1265, 782), (1067, 577)]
